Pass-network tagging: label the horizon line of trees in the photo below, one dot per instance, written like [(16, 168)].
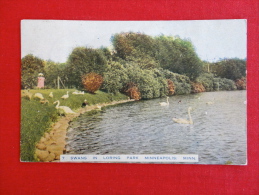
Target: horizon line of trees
[(140, 66)]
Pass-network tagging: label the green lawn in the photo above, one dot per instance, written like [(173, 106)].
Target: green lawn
[(36, 118)]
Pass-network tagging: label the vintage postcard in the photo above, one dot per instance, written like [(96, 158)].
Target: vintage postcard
[(134, 91)]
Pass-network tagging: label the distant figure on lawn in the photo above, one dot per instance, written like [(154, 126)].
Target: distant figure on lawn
[(84, 104), (41, 80)]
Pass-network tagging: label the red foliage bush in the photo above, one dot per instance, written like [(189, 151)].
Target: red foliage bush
[(241, 83), (132, 91), (171, 87), (92, 82), (197, 87)]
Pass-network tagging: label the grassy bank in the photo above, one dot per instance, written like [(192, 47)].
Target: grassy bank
[(36, 118)]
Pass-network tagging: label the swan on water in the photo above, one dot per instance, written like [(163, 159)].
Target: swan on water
[(211, 102), (164, 103), (184, 121), (66, 109)]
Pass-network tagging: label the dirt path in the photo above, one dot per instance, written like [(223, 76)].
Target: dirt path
[(52, 144)]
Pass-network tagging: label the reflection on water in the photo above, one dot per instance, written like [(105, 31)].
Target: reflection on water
[(218, 134)]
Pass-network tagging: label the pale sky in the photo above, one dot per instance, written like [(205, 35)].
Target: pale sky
[(55, 39)]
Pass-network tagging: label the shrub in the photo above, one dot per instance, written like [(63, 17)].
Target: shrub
[(197, 87), (223, 84), (171, 87), (241, 83), (92, 82), (132, 91), (181, 82), (115, 77), (206, 80)]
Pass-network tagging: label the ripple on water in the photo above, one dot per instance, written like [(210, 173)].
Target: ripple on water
[(218, 134)]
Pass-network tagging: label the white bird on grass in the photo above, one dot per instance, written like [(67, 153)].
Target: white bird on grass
[(39, 95), (66, 109), (184, 121), (51, 94), (65, 96), (44, 101), (75, 92), (164, 103), (81, 93), (27, 94)]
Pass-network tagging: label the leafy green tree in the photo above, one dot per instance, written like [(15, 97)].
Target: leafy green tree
[(133, 45), (115, 77), (230, 68), (31, 66), (52, 71), (82, 61), (178, 56)]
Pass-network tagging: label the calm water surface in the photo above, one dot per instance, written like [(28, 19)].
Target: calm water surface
[(218, 134)]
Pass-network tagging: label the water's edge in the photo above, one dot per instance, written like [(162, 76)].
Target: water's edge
[(52, 144)]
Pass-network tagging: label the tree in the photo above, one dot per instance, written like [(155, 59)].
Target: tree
[(230, 68), (83, 61), (133, 45), (115, 77), (52, 71), (178, 56), (92, 82), (31, 66)]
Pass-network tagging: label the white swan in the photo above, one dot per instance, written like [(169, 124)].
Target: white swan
[(81, 93), (66, 109), (211, 102), (44, 101), (39, 95), (51, 94), (184, 121), (75, 92), (164, 103), (65, 96)]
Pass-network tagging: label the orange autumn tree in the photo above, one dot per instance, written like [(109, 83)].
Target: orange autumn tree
[(92, 82)]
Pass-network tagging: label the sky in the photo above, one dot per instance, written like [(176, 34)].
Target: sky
[(55, 39)]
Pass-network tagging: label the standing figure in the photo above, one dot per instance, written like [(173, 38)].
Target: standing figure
[(41, 80)]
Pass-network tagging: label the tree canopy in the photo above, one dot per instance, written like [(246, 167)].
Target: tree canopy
[(31, 66), (84, 60)]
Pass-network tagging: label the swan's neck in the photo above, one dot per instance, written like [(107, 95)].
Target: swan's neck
[(190, 117), (57, 106), (167, 101)]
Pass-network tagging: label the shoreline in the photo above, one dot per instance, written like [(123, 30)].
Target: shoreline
[(53, 143)]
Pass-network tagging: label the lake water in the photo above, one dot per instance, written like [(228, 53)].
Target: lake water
[(218, 134)]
